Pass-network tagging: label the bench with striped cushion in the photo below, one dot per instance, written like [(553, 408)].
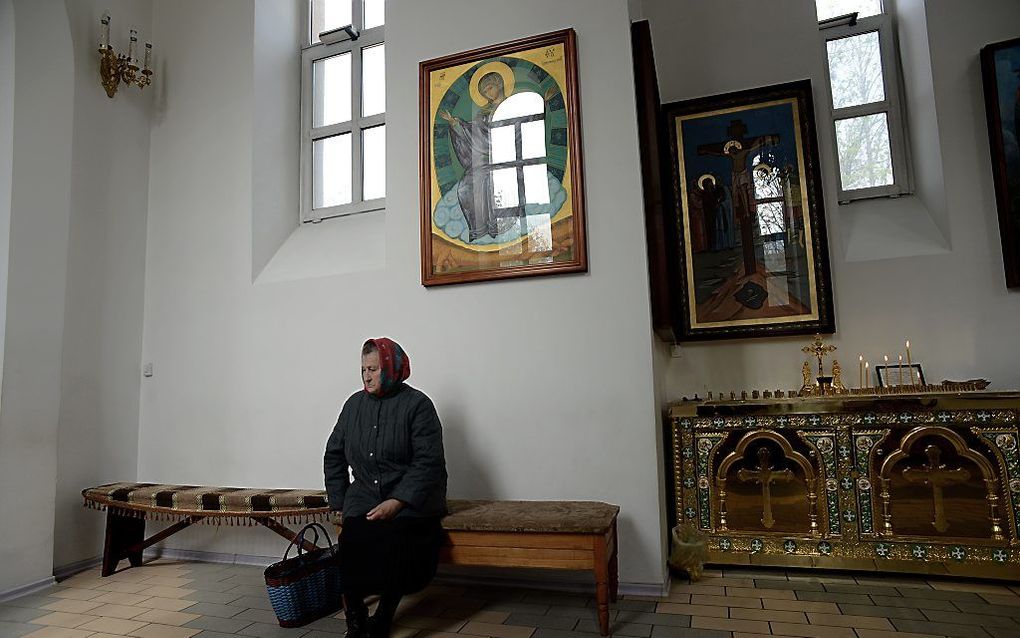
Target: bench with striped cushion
[(129, 505), (575, 535)]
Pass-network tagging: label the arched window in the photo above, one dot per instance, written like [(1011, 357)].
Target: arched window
[(517, 158)]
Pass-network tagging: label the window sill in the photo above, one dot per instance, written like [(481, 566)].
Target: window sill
[(871, 198), (890, 228), (334, 246)]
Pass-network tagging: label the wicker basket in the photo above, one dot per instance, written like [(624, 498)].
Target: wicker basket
[(689, 551), (306, 587)]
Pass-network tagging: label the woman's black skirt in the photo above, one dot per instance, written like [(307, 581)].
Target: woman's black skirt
[(394, 556)]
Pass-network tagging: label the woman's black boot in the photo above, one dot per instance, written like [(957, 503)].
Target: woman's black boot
[(380, 624), (356, 615)]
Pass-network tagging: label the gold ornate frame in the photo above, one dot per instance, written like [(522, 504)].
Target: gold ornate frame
[(433, 269)]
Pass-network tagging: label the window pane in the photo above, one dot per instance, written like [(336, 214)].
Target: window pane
[(375, 13), (504, 188), (373, 80), (855, 70), (503, 148), (331, 171), (770, 218), (536, 184), (373, 141), (832, 8), (533, 139), (767, 183), (328, 15), (539, 235), (864, 156), (519, 105), (331, 85)]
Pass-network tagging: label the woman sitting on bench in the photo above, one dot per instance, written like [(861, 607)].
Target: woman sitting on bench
[(390, 436)]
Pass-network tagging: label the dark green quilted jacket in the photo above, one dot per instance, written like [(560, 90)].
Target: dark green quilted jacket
[(394, 445)]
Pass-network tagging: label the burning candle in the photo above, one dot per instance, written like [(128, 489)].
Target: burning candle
[(860, 370), (910, 364), (901, 370), (867, 374), (132, 49), (104, 32)]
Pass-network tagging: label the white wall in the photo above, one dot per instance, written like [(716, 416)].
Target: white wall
[(952, 304), (544, 385), (6, 156), (276, 123), (37, 277), (69, 414), (100, 376)]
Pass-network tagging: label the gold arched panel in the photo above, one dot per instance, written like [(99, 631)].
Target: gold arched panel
[(937, 486), (765, 485)]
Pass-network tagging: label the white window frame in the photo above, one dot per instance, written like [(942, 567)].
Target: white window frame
[(310, 53), (848, 26), (518, 163)]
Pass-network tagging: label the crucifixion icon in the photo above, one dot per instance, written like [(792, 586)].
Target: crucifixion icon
[(935, 474), (765, 475)]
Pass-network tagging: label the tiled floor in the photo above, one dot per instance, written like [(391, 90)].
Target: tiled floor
[(165, 599)]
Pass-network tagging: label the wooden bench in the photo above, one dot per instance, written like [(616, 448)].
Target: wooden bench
[(129, 505), (574, 535)]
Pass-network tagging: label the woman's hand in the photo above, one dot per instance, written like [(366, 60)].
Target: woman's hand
[(385, 510)]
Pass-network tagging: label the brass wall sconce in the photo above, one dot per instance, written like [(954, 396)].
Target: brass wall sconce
[(115, 68)]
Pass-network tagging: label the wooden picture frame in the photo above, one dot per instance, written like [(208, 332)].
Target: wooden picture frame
[(500, 199), (660, 225), (1000, 70), (752, 246)]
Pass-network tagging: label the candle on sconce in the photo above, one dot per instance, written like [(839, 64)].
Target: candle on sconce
[(860, 370), (867, 374), (104, 32), (129, 67), (133, 49), (901, 370)]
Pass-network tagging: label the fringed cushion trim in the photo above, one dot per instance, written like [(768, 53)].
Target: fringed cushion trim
[(240, 519)]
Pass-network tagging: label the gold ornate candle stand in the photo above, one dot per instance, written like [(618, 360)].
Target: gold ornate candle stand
[(924, 482)]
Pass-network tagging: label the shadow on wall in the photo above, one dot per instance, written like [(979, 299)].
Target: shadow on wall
[(468, 480)]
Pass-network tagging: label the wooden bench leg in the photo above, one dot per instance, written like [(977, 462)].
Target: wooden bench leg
[(121, 533), (602, 580), (614, 567)]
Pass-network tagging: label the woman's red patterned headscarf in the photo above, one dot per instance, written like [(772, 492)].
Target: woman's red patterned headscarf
[(393, 363)]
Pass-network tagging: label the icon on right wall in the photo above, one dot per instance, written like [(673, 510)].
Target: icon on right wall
[(1000, 66), (754, 258)]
